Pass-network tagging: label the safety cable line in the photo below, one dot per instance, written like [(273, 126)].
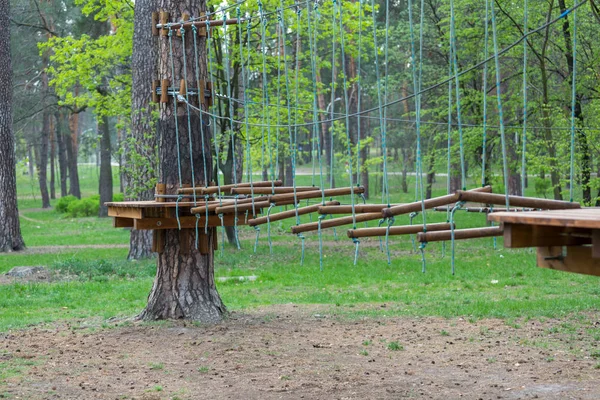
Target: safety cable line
[(573, 104), (524, 136), (499, 99), (444, 81)]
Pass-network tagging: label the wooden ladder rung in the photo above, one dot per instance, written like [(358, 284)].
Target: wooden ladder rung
[(459, 234), (288, 214), (396, 230)]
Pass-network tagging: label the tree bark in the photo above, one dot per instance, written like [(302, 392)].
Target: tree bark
[(105, 186), (42, 158), (140, 147), (52, 159), (10, 229), (72, 152), (62, 156), (184, 286)]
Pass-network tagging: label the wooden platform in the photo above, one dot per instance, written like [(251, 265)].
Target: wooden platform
[(566, 240)]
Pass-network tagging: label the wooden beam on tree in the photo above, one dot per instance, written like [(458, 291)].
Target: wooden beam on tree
[(119, 222), (162, 223), (396, 230), (125, 212)]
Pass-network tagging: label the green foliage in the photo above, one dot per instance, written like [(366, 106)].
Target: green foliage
[(84, 208), (63, 203)]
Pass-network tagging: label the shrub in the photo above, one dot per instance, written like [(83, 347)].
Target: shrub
[(63, 203), (118, 197), (84, 208)]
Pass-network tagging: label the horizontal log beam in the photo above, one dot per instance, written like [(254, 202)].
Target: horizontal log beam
[(428, 204), (331, 223), (288, 214), (396, 230), (212, 205), (185, 222), (227, 188), (315, 194), (358, 208), (272, 190), (518, 201), (459, 234)]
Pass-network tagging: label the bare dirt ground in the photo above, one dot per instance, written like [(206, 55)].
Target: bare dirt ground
[(303, 352)]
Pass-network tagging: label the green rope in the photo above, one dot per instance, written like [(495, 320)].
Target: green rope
[(499, 98), (385, 184), (333, 98), (229, 102), (213, 95), (189, 114), (265, 94), (175, 107), (358, 92), (485, 87), (524, 139), (382, 124), (457, 89), (346, 104), (200, 97), (573, 103)]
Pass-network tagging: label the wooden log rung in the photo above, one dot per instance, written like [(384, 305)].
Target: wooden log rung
[(358, 208), (227, 188), (315, 194), (396, 230), (459, 234), (288, 214), (428, 204), (272, 190), (214, 204), (518, 201), (484, 210), (331, 223)]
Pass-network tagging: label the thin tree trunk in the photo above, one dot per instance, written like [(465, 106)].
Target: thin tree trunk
[(52, 159), (62, 160), (10, 229), (184, 287), (72, 151), (42, 159), (105, 187)]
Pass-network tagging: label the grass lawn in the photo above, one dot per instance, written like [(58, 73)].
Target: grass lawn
[(489, 281)]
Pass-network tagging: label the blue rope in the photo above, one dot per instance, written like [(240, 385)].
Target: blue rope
[(573, 103), (524, 139)]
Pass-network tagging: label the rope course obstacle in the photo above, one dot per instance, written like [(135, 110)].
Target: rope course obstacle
[(269, 108)]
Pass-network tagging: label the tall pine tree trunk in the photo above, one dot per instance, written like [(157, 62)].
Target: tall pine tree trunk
[(52, 159), (184, 287), (10, 229), (42, 158)]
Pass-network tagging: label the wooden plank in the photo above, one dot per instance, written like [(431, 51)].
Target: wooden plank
[(581, 218), (185, 222), (158, 241), (396, 230), (459, 234), (596, 243), (153, 204), (119, 222), (521, 235), (518, 201), (125, 212), (212, 205), (578, 259)]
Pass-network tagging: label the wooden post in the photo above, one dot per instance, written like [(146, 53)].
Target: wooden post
[(164, 19), (154, 23), (164, 91), (161, 188)]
